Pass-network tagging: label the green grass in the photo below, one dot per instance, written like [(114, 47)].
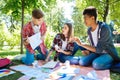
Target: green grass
[(15, 76)]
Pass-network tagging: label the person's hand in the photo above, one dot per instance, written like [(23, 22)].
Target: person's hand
[(77, 40), (60, 50), (42, 37), (26, 41), (71, 39), (46, 60), (85, 52)]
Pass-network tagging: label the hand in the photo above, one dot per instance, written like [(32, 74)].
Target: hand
[(42, 37), (71, 39), (77, 40), (26, 41), (46, 60), (60, 50), (85, 52)]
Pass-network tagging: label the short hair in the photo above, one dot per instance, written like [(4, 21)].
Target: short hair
[(91, 11), (37, 13)]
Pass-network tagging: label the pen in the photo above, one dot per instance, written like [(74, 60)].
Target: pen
[(62, 75)]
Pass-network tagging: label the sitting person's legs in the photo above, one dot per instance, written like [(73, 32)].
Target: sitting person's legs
[(88, 59), (29, 59), (103, 62), (40, 55), (73, 60)]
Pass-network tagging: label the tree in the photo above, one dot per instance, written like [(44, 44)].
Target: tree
[(15, 8), (107, 10)]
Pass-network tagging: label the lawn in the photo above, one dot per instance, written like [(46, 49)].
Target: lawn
[(11, 54)]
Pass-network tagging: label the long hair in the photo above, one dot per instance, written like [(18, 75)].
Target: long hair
[(70, 32)]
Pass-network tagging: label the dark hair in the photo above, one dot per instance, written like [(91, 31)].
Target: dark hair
[(70, 32), (91, 11), (36, 13)]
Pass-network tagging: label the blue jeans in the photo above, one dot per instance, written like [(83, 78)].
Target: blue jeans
[(29, 59), (73, 60), (98, 61)]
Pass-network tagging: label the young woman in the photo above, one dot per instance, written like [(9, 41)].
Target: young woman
[(63, 45)]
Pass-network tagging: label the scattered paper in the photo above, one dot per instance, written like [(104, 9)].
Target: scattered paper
[(24, 77), (70, 70), (5, 72), (51, 64), (21, 68), (90, 76)]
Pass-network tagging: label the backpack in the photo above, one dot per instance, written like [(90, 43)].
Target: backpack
[(4, 62), (116, 65)]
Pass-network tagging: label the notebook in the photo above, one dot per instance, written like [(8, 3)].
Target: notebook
[(51, 64)]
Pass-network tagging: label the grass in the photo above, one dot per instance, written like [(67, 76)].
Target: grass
[(15, 76)]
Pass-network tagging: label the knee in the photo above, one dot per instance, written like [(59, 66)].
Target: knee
[(61, 58), (83, 62), (74, 60), (97, 65)]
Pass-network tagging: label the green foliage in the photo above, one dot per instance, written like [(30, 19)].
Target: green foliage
[(7, 38), (2, 35), (49, 38), (79, 27)]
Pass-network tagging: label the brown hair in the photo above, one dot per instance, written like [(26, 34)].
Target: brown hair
[(36, 13), (70, 32), (91, 11)]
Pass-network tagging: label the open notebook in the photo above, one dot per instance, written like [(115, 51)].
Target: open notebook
[(51, 64)]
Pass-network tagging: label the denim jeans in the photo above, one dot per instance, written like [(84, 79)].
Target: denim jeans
[(73, 59), (29, 59), (98, 61)]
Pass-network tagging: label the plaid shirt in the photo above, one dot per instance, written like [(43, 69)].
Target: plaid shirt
[(28, 31), (58, 41)]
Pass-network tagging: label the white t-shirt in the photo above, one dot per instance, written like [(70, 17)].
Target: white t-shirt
[(95, 36), (36, 28), (64, 44)]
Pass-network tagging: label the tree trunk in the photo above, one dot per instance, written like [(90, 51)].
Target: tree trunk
[(106, 10), (21, 49)]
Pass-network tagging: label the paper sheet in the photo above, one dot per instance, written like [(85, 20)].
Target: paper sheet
[(5, 72), (35, 40), (22, 68), (51, 64), (31, 72), (70, 70)]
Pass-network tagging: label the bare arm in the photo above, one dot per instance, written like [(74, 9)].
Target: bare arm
[(48, 56), (64, 52), (88, 47)]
